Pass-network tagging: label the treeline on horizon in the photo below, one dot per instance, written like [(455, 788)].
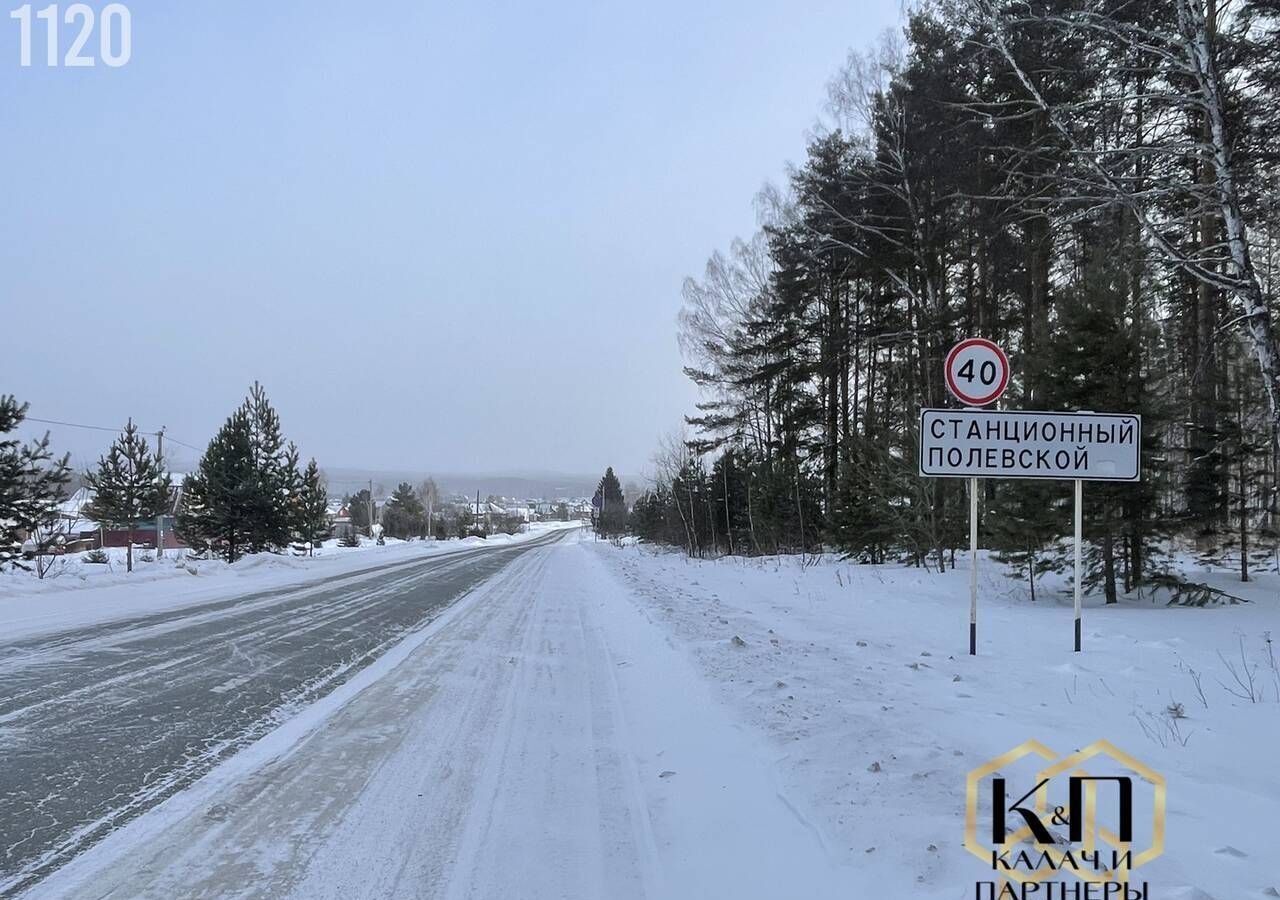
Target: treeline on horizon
[(1094, 186)]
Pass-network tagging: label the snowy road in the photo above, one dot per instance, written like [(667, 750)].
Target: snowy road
[(102, 723), (543, 739)]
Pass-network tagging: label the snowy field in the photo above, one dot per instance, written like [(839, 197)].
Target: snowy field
[(77, 592), (612, 722)]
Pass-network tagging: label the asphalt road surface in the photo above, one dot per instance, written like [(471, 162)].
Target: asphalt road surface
[(99, 724)]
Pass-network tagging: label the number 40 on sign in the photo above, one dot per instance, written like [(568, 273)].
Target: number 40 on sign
[(977, 372)]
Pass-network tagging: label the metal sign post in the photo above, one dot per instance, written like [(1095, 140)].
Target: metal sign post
[(973, 567), (1079, 530), (977, 373)]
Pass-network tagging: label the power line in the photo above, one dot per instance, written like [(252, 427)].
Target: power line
[(168, 437), (76, 425)]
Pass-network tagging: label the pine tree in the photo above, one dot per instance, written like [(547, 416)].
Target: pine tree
[(464, 521), (130, 484), (404, 515), (275, 475), (357, 505), (245, 495), (311, 508), (219, 498), (32, 484)]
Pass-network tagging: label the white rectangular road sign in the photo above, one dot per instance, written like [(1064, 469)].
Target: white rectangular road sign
[(979, 443)]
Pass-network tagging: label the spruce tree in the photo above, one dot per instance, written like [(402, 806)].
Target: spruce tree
[(129, 484), (1024, 525), (730, 515), (613, 508), (1096, 364), (32, 484)]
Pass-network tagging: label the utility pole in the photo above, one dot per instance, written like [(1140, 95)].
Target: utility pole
[(160, 515), (370, 507)]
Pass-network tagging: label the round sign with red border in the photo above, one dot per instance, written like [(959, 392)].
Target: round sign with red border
[(977, 372)]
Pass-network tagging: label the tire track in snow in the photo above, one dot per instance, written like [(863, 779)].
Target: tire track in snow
[(520, 750), (99, 725)]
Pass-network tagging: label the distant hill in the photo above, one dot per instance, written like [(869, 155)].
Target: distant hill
[(547, 485)]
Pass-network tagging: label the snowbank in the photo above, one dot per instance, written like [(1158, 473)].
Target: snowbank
[(80, 593), (861, 678)]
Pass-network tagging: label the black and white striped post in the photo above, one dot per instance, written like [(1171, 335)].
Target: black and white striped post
[(1079, 543), (973, 567)]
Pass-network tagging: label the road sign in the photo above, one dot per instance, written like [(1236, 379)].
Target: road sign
[(977, 372), (982, 443)]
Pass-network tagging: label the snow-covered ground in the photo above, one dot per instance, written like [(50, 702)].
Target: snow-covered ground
[(609, 722), (860, 678), (84, 593)]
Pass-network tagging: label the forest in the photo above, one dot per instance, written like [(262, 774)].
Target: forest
[(1093, 185)]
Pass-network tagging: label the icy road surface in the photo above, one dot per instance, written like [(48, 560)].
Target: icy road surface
[(542, 739), (101, 723)]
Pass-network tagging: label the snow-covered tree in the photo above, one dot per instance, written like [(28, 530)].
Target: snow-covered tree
[(32, 484)]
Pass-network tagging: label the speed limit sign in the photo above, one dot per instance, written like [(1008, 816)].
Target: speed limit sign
[(977, 372)]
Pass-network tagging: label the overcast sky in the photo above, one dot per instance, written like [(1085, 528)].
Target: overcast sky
[(445, 236)]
